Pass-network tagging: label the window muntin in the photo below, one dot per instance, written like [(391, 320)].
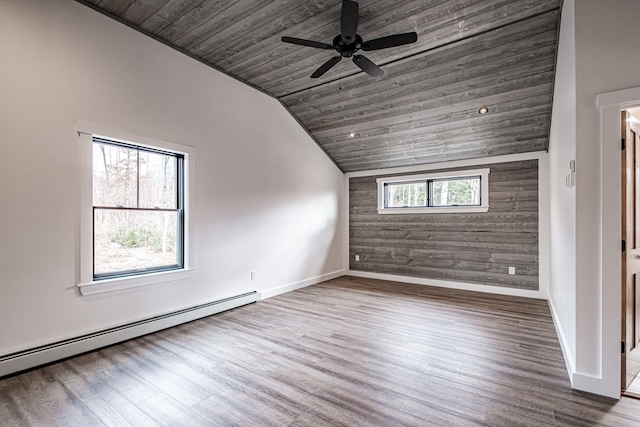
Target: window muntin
[(443, 192), (138, 210)]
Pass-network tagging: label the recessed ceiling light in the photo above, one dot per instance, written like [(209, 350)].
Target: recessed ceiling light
[(483, 110), (354, 135)]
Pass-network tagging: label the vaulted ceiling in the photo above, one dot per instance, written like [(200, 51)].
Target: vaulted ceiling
[(424, 109)]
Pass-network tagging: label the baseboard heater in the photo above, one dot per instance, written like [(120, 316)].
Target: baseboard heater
[(27, 359)]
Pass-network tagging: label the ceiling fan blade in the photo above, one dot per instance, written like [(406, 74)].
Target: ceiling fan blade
[(303, 42), (326, 67), (390, 41), (367, 66), (349, 21)]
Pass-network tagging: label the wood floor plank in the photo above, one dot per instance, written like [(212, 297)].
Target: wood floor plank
[(181, 389), (52, 404), (347, 352), (258, 410), (15, 407), (113, 410), (168, 412), (124, 379)]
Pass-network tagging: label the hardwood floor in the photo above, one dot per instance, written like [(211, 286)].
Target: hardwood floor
[(352, 352)]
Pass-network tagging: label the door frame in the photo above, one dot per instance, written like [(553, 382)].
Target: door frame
[(629, 321), (610, 104)]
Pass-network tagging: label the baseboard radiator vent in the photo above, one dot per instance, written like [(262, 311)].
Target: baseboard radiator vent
[(27, 359)]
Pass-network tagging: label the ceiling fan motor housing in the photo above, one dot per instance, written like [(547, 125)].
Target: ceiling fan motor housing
[(347, 49)]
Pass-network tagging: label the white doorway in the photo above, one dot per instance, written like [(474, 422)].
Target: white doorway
[(630, 235), (610, 105)]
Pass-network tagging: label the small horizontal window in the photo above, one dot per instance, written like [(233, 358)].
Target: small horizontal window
[(450, 192)]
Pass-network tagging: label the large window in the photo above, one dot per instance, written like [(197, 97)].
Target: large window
[(135, 222), (138, 209), (460, 191)]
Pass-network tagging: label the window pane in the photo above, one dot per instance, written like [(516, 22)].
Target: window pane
[(456, 192), (134, 240), (157, 180), (412, 194), (115, 173)]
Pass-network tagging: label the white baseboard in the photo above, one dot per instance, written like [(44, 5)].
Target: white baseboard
[(298, 285), (579, 381), (588, 383), (452, 285), (42, 355), (564, 345)]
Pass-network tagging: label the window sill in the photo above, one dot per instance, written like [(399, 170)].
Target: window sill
[(123, 283), (433, 210)]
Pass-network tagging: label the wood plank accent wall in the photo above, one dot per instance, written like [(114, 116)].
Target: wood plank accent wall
[(471, 248)]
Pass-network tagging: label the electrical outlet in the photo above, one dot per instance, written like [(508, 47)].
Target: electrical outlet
[(253, 275), (512, 270), (357, 257)]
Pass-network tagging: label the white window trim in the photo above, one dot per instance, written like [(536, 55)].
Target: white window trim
[(484, 192), (87, 285)]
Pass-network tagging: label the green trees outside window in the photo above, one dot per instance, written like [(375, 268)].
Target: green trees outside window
[(137, 206), (458, 191)]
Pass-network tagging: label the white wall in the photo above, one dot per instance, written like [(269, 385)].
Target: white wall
[(562, 149), (606, 60), (267, 198)]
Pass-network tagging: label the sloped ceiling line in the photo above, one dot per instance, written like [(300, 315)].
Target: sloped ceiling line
[(498, 53), (93, 4)]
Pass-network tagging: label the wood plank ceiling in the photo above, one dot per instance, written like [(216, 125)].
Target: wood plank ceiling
[(424, 109)]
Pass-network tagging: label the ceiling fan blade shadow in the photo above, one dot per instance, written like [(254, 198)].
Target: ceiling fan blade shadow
[(349, 21), (326, 67), (390, 41), (309, 43), (367, 66)]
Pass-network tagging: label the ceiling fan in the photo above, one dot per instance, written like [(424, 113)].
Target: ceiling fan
[(348, 42)]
